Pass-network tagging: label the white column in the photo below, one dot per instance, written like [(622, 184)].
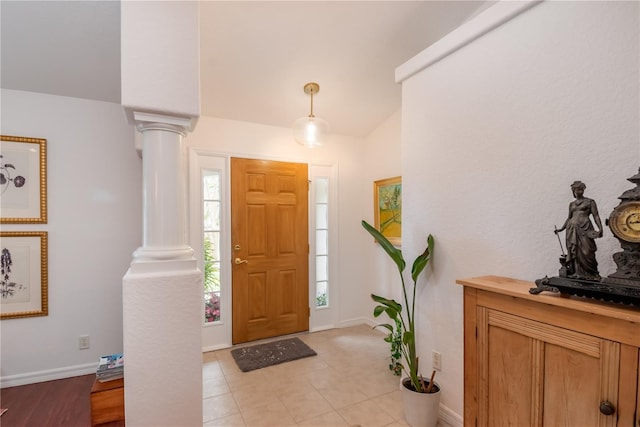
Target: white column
[(162, 291), (164, 188)]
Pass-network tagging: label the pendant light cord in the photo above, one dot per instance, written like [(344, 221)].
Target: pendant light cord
[(311, 93)]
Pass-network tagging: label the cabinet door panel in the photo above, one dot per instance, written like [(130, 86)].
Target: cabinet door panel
[(571, 387), (509, 381), (536, 374)]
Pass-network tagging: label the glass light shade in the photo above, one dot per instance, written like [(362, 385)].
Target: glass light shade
[(310, 131)]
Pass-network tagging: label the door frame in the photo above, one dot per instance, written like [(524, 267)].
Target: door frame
[(324, 317), (218, 335)]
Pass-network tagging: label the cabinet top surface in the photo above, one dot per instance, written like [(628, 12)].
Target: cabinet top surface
[(107, 385), (520, 289)]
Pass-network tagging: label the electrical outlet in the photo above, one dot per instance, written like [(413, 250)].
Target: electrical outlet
[(436, 360), (83, 342)]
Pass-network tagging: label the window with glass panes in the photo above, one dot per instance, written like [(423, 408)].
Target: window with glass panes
[(322, 241), (211, 214)]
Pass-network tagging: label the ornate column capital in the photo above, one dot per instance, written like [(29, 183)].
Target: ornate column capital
[(146, 121), (164, 200)]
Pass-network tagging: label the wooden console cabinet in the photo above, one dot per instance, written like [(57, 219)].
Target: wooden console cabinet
[(547, 360), (107, 401)]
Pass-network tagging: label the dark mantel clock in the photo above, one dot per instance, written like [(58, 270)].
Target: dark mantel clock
[(624, 222), (622, 286)]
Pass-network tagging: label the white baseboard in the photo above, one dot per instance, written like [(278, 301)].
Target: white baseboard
[(355, 322), (321, 328), (448, 417), (216, 347), (49, 375)]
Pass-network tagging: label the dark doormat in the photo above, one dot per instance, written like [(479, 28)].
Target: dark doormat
[(269, 354)]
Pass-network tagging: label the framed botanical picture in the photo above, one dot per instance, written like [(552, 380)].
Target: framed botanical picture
[(23, 180), (387, 208), (24, 274)]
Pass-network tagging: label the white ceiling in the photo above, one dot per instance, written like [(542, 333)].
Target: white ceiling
[(256, 56)]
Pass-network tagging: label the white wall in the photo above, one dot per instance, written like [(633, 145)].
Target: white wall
[(383, 160), (94, 225), (494, 134)]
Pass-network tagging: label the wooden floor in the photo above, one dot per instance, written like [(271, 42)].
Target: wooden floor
[(49, 404)]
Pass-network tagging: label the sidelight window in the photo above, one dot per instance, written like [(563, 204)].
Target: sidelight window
[(211, 214), (322, 241)]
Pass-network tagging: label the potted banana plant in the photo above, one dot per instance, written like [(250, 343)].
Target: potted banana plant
[(421, 395)]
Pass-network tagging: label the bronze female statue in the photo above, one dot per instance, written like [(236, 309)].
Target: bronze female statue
[(580, 236)]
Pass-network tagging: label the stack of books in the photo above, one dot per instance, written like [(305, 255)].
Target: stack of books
[(110, 367)]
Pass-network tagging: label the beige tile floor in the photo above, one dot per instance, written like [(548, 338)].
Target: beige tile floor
[(346, 384)]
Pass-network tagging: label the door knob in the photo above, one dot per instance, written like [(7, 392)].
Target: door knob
[(240, 261), (607, 408)]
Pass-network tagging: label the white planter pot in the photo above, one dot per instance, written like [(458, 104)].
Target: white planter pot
[(420, 409)]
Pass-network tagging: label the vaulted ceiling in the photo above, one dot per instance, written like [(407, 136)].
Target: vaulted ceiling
[(255, 58)]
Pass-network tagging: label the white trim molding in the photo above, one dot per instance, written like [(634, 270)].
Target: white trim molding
[(488, 20), (449, 417), (48, 375)]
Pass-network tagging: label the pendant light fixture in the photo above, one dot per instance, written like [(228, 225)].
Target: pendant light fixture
[(310, 131)]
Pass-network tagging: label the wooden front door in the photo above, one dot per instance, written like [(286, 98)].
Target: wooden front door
[(270, 248)]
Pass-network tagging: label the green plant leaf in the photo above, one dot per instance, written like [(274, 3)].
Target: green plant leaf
[(384, 325), (211, 270), (392, 312), (378, 310), (392, 251), (422, 260), (387, 302), (407, 337)]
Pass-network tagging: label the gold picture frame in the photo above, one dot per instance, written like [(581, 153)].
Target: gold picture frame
[(24, 279), (23, 180), (387, 208)]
